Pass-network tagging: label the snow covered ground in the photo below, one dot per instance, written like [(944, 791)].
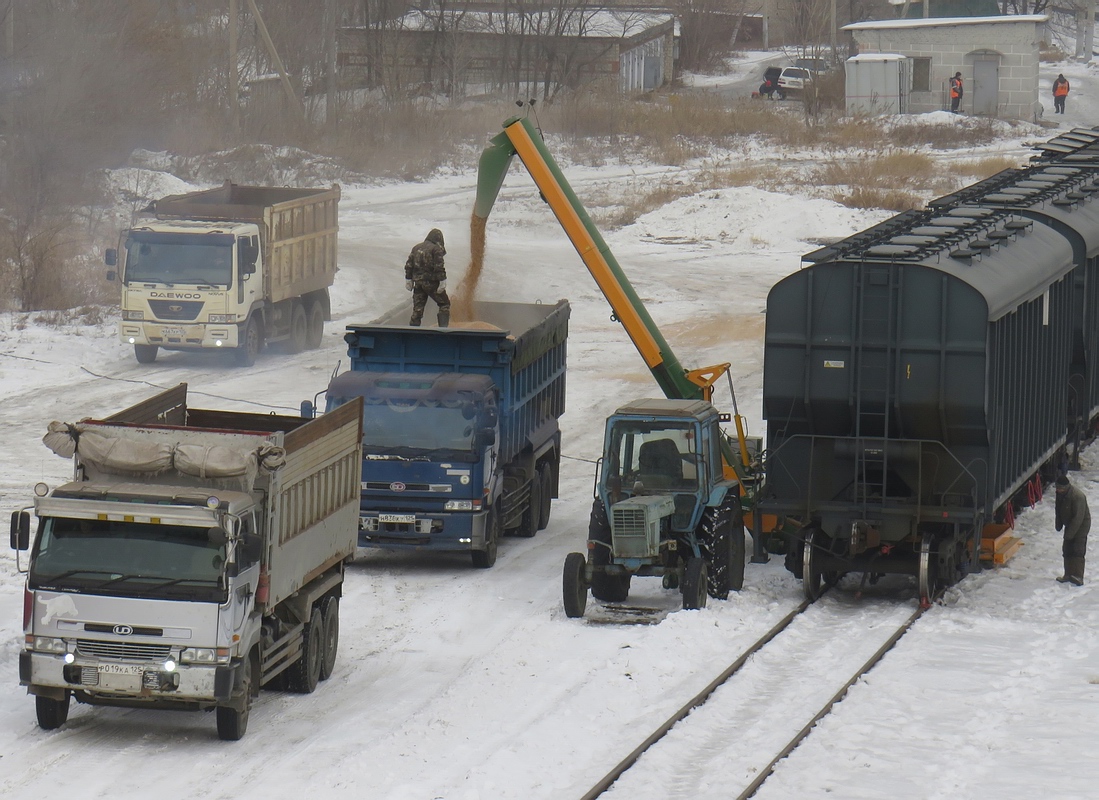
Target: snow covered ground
[(470, 684)]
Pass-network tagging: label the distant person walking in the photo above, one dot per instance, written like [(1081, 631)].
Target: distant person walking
[(425, 276), (1060, 93), (957, 89), (1072, 515)]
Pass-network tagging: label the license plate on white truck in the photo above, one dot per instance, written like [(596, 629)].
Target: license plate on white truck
[(406, 518)]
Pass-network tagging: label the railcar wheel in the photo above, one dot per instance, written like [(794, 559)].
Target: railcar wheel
[(694, 584), (928, 576), (574, 589), (811, 578)]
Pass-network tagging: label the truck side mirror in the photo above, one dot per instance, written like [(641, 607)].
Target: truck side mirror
[(111, 274), (20, 530), (486, 437), (110, 258)]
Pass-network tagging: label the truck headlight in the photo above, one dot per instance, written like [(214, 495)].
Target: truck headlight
[(48, 644), (204, 655), (458, 505), (134, 316), (222, 319)]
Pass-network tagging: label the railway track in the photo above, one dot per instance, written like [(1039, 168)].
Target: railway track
[(765, 702)]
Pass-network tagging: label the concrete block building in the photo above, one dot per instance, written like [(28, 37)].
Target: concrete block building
[(997, 56)]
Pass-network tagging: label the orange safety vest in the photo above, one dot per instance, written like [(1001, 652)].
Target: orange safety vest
[(1060, 89), (955, 87)]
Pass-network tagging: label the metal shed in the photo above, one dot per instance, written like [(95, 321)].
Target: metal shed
[(878, 83)]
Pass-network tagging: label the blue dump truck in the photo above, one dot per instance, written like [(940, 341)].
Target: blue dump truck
[(460, 437)]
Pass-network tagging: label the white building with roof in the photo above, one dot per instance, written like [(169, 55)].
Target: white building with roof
[(997, 56)]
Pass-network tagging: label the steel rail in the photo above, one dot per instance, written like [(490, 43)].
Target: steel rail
[(608, 780)]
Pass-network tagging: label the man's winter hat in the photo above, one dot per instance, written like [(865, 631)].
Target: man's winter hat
[(957, 74), (1062, 481)]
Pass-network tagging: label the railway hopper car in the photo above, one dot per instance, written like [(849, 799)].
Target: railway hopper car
[(1064, 197), (915, 377)]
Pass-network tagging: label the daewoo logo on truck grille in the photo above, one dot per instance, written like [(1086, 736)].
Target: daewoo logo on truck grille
[(397, 486), (176, 295)]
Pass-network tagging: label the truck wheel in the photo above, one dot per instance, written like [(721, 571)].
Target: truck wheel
[(306, 672), (52, 713), (145, 353), (299, 330), (608, 588), (574, 589), (315, 333), (694, 584), (547, 497), (251, 342), (331, 637), (533, 514), (233, 722), (483, 559)]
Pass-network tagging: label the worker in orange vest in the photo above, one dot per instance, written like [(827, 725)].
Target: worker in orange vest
[(1060, 92), (956, 92)]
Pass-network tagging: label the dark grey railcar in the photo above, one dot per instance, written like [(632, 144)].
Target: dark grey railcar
[(1065, 197), (915, 377)]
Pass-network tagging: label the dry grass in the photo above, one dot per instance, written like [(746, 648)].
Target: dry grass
[(985, 167)]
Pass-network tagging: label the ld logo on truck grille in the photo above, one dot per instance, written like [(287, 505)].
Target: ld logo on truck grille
[(122, 630), (397, 486)]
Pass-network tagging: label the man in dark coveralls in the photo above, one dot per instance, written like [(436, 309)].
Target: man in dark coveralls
[(1074, 517), (425, 276)]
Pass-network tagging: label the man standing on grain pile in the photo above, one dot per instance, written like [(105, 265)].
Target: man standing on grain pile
[(425, 276), (1073, 515)]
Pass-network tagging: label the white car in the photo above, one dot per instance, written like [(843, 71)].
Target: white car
[(792, 80)]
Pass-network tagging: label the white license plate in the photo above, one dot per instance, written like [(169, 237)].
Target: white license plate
[(171, 331), (409, 518), (121, 669)]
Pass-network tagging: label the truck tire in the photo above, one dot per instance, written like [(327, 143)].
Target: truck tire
[(331, 638), (52, 713), (251, 342), (608, 588), (145, 353), (299, 330), (483, 559), (546, 476), (306, 672), (315, 332), (528, 526), (233, 722)]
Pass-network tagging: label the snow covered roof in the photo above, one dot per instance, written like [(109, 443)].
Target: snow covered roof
[(877, 57), (937, 22)]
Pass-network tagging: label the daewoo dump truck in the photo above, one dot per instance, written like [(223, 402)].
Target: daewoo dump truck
[(460, 436), (196, 556), (231, 268)]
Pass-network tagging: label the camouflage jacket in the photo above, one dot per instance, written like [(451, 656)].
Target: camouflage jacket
[(1071, 511), (425, 263)]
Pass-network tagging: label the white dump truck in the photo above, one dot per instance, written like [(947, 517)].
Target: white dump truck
[(197, 556), (231, 268)]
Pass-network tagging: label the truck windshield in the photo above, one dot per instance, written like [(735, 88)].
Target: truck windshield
[(187, 258), (134, 559), (647, 458), (416, 427)]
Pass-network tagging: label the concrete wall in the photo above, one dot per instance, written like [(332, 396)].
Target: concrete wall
[(1010, 42)]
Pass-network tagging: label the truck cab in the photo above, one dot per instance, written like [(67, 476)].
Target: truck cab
[(187, 284), (429, 452)]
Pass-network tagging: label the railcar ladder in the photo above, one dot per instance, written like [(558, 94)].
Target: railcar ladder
[(874, 353)]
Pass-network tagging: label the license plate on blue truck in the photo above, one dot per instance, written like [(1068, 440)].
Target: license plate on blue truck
[(406, 518)]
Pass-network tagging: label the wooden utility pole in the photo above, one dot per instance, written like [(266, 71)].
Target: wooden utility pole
[(234, 98), (330, 84), (9, 60), (273, 53)]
